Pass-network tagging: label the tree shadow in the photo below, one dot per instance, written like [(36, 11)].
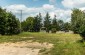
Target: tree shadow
[(81, 42)]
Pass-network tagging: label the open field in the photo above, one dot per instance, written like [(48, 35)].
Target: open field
[(43, 44)]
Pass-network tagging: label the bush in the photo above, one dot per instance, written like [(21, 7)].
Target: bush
[(9, 24), (78, 22), (82, 31), (53, 30)]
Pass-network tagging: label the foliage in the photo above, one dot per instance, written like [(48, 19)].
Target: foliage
[(8, 23), (61, 25), (53, 30), (24, 26), (13, 25), (37, 23), (32, 24), (66, 27), (78, 22), (47, 22), (55, 24), (2, 21)]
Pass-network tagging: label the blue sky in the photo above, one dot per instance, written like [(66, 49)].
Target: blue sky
[(30, 3), (60, 8)]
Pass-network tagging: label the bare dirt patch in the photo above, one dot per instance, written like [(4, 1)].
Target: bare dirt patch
[(23, 48)]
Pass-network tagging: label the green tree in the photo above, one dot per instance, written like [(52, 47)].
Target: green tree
[(54, 22), (78, 22), (61, 25), (54, 25), (66, 27), (30, 24), (13, 24), (9, 24), (47, 22), (2, 21), (24, 26), (37, 23)]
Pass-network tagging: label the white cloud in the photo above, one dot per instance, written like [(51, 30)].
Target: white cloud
[(63, 14), (83, 8), (73, 3), (17, 7), (33, 11), (48, 6)]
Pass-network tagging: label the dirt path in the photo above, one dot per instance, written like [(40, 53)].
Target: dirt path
[(7, 50), (22, 48)]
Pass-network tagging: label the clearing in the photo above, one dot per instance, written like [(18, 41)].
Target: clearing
[(41, 43)]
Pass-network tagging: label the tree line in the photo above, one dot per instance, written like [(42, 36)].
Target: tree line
[(35, 24), (77, 24)]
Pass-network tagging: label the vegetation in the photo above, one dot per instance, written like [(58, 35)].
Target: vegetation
[(78, 22), (47, 23), (35, 24), (53, 30), (9, 24), (61, 25), (2, 21), (54, 25), (12, 24), (32, 24), (67, 27)]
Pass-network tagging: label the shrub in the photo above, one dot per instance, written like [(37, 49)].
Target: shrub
[(82, 31), (53, 30)]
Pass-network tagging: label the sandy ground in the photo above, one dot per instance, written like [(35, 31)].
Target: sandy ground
[(22, 48)]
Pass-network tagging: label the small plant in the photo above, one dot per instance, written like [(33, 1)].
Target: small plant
[(53, 30), (42, 50)]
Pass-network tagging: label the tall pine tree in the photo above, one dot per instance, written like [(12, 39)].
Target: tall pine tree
[(47, 22), (37, 22), (54, 25)]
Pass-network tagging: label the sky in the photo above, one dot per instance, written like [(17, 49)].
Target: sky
[(61, 8)]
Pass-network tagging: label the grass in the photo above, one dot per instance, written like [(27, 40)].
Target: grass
[(64, 43)]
